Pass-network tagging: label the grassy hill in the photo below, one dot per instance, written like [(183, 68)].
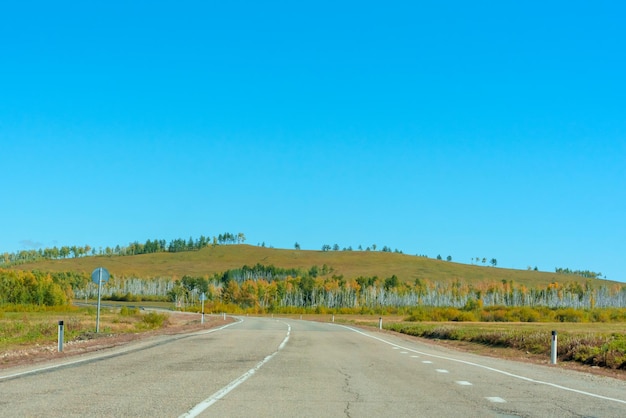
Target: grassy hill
[(350, 264)]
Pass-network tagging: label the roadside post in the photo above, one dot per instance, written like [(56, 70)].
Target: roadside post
[(98, 276), (380, 322), (553, 348), (202, 298), (60, 349)]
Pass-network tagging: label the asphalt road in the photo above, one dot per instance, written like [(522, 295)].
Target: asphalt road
[(266, 367)]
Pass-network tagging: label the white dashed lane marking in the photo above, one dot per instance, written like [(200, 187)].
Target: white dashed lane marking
[(495, 399), (492, 399)]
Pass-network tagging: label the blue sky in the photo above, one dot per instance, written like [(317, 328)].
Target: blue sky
[(482, 129)]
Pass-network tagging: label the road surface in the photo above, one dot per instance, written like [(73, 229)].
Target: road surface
[(267, 367)]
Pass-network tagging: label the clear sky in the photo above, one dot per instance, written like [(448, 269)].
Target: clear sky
[(471, 129)]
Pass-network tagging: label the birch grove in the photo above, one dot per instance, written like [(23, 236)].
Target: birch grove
[(253, 289)]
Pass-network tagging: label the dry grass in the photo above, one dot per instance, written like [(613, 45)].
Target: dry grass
[(117, 328), (350, 264), (602, 345), (20, 329)]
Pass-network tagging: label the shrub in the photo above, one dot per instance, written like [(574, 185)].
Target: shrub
[(569, 315), (600, 315), (419, 314), (153, 320), (581, 348), (126, 311), (473, 304), (618, 315), (586, 354), (523, 314), (494, 314), (465, 317)]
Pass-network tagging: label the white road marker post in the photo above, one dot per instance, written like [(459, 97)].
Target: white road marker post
[(202, 298), (380, 322), (333, 317), (553, 348), (60, 349)]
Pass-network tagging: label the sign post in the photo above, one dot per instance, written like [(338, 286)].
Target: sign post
[(98, 276)]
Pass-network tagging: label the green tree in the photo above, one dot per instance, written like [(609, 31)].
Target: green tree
[(64, 252), (391, 282)]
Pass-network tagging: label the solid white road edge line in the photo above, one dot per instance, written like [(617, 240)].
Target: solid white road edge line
[(469, 363), (199, 408), (104, 355)]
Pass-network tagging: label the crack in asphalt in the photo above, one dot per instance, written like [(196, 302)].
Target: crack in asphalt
[(347, 388)]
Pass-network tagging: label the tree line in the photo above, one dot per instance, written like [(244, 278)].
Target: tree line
[(133, 248), (268, 288), (336, 247), (37, 288), (582, 273), (477, 260), (262, 288)]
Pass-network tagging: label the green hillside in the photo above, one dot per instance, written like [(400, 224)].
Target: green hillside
[(351, 264)]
